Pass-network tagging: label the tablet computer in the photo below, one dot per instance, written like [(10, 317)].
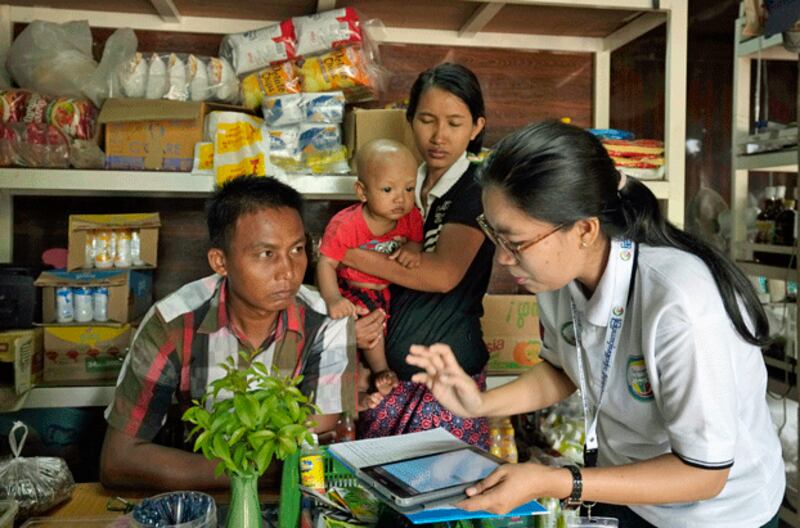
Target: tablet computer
[(429, 478)]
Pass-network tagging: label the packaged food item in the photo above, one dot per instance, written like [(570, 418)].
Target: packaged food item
[(83, 302), (253, 50), (122, 258), (340, 69), (283, 110), (203, 158), (76, 118), (65, 310), (12, 105), (222, 78), (284, 148), (178, 89), (100, 304), (156, 86), (323, 31), (33, 145), (324, 107), (275, 80), (36, 483), (240, 146), (133, 77), (36, 109), (106, 244), (312, 468), (197, 74)]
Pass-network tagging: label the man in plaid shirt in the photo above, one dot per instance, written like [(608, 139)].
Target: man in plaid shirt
[(254, 302)]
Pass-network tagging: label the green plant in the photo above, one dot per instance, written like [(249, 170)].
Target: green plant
[(259, 415)]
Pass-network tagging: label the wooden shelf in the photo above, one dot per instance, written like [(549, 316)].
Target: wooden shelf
[(771, 48), (69, 396), (768, 248)]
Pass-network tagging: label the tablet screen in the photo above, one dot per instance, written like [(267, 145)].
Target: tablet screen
[(444, 470)]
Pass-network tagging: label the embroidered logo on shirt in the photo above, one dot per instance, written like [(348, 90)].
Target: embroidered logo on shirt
[(638, 382), (568, 333), (441, 209)]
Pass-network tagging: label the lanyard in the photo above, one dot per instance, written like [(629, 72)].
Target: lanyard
[(626, 253)]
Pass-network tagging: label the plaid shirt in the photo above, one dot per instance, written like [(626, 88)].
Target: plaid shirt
[(177, 350)]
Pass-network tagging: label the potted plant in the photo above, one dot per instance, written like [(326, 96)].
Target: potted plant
[(244, 420)]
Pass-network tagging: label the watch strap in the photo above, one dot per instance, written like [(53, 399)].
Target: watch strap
[(574, 500)]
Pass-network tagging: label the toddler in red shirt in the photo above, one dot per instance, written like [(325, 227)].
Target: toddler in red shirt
[(384, 220)]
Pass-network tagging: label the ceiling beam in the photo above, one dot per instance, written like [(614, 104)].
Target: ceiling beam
[(482, 16), (325, 5), (633, 30), (631, 5), (167, 11)]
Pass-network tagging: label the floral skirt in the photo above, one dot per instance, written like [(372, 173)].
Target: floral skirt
[(411, 407)]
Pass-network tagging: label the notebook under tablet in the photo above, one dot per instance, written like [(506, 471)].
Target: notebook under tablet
[(430, 478)]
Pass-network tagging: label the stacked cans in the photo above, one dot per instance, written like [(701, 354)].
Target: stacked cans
[(81, 304)]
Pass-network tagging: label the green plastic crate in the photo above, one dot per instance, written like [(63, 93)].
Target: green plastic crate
[(289, 508)]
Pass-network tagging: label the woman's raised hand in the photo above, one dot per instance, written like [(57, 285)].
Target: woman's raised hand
[(445, 378)]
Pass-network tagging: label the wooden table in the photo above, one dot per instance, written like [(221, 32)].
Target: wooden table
[(89, 500)]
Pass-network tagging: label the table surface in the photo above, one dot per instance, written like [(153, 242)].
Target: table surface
[(89, 499)]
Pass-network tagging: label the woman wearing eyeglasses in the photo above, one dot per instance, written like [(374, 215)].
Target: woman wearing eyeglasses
[(440, 301), (660, 331)]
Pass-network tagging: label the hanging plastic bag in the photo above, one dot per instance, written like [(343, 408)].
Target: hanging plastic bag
[(53, 59), (120, 49), (36, 483)]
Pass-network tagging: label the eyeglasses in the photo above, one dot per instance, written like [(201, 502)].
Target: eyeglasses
[(515, 248)]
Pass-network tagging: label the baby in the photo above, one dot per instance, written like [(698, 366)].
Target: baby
[(385, 220)]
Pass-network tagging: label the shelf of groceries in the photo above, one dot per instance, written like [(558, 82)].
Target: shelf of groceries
[(104, 182), (57, 396)]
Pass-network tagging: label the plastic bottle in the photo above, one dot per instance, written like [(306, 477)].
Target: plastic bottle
[(312, 467), (65, 310), (100, 303), (84, 309), (345, 429), (122, 259), (105, 249)]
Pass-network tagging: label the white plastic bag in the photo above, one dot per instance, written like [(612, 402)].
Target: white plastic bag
[(120, 49), (54, 59), (240, 146)]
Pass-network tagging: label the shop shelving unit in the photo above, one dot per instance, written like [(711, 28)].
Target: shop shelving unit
[(536, 25), (783, 372)]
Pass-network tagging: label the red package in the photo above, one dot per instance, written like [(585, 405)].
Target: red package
[(12, 105), (74, 117), (324, 31), (33, 145)]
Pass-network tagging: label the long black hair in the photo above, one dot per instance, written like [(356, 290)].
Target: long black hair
[(560, 174), (459, 81)]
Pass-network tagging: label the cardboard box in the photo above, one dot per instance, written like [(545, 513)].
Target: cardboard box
[(79, 226), (363, 125), (510, 326), (84, 353), (21, 363), (130, 292), (146, 134)]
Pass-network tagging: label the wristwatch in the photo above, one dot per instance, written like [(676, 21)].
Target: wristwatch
[(574, 500)]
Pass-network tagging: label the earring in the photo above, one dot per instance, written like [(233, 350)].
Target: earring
[(584, 244)]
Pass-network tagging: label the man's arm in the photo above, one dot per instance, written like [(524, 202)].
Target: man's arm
[(129, 462), (438, 271)]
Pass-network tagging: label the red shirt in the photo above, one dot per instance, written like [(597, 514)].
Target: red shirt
[(349, 230)]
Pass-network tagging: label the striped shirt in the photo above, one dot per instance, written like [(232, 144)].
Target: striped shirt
[(177, 351)]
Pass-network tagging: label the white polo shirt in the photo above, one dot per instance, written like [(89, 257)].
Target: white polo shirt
[(682, 381)]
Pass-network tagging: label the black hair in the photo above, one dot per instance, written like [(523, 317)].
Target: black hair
[(459, 81), (245, 195), (560, 174)]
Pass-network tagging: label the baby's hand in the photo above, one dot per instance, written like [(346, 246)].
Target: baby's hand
[(341, 307), (369, 401), (408, 258), (385, 381)]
